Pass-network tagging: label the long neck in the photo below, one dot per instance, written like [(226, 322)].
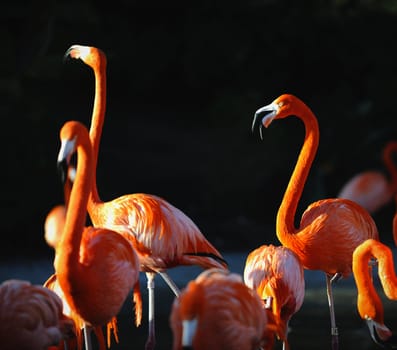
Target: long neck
[(97, 120), (369, 304), (388, 152), (286, 213), (69, 246), (386, 270)]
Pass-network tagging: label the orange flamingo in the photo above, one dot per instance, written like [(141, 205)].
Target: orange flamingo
[(218, 311), (372, 189), (162, 235), (96, 268), (276, 274), (31, 317), (369, 305), (53, 227), (330, 229)]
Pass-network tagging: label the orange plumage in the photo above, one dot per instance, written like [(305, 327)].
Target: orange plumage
[(96, 268), (372, 189), (276, 274), (330, 229), (369, 305), (162, 235), (217, 311), (31, 317)]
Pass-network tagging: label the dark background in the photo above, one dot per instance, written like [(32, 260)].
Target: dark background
[(184, 80)]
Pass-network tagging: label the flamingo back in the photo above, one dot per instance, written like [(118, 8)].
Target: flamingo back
[(31, 317), (276, 274), (162, 235), (333, 228), (224, 313), (369, 189)]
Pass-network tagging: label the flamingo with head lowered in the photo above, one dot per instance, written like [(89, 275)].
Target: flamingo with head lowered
[(218, 311), (329, 229), (369, 305), (276, 274), (162, 235)]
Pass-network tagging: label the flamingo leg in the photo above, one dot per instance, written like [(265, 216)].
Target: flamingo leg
[(87, 337), (334, 329), (170, 282), (151, 340)]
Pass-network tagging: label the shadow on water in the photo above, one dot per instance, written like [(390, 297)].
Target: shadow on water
[(309, 328)]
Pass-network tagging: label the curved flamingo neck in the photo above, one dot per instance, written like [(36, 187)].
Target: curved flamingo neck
[(369, 304), (69, 246), (388, 152), (97, 120), (286, 214)]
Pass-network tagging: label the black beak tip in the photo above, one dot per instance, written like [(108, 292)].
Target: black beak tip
[(62, 170), (390, 343), (66, 56)]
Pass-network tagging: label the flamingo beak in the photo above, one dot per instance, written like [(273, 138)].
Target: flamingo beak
[(68, 147), (270, 112), (76, 51), (381, 335)]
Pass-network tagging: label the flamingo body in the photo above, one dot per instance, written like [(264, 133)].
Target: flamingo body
[(217, 311), (276, 274), (331, 229), (372, 189), (163, 236), (53, 225), (30, 317)]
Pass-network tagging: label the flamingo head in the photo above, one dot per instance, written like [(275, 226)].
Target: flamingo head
[(72, 134), (90, 55), (281, 107), (381, 335)]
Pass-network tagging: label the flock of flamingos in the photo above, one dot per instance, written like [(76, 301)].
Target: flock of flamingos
[(98, 266)]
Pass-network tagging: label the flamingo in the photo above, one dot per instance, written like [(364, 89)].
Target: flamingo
[(31, 317), (53, 227), (162, 235), (330, 229), (372, 189), (276, 274), (369, 305), (218, 311), (96, 268)]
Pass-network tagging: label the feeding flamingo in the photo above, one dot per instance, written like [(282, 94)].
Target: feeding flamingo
[(31, 317), (218, 311), (96, 268), (276, 274), (162, 235), (330, 229), (372, 189), (369, 305)]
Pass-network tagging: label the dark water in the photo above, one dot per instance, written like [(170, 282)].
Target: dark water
[(309, 328)]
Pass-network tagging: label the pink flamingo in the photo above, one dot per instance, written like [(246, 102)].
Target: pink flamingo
[(276, 274), (372, 189)]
